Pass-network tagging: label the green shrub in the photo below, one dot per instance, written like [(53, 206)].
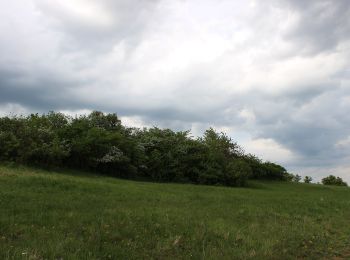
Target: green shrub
[(237, 173), (333, 180), (210, 176), (99, 142), (307, 179)]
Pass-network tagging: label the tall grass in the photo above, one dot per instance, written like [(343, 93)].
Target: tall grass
[(73, 215)]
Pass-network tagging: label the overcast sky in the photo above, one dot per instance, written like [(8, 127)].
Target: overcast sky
[(274, 75)]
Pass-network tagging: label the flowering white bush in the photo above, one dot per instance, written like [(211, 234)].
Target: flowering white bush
[(114, 155)]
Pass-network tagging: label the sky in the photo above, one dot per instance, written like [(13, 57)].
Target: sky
[(273, 74)]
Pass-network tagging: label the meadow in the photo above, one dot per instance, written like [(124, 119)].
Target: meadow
[(78, 215)]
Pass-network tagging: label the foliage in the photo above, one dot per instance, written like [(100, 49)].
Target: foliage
[(237, 172), (99, 142), (333, 180), (307, 179), (266, 170), (297, 178)]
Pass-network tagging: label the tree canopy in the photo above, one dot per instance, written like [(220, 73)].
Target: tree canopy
[(99, 142), (333, 180)]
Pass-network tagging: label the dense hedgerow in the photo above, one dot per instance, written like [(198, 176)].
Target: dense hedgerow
[(101, 143), (333, 180)]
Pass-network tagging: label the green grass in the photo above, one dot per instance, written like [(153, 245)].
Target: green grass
[(73, 215)]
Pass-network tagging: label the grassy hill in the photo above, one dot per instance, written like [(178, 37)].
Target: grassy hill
[(68, 215)]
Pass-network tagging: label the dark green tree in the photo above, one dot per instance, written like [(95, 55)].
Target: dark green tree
[(307, 179), (297, 178), (99, 142), (333, 180)]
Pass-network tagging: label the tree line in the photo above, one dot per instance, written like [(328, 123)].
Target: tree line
[(99, 142)]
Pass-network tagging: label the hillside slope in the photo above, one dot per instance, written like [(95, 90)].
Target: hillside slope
[(69, 215)]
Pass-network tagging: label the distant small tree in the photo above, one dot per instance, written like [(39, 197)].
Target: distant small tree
[(333, 180), (308, 179), (296, 178)]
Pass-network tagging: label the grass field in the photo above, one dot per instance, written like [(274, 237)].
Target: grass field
[(73, 215)]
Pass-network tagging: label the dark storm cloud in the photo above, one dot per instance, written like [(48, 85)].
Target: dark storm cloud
[(311, 130), (321, 24), (39, 92), (46, 91)]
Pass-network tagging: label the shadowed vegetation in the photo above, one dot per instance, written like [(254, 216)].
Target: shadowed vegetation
[(99, 142)]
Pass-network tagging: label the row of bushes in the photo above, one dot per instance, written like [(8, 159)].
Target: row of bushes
[(329, 180), (333, 180), (101, 143)]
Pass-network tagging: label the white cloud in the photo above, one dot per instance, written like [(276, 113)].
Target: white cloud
[(11, 109), (270, 150)]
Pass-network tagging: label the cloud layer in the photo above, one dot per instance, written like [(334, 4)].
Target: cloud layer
[(273, 74)]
